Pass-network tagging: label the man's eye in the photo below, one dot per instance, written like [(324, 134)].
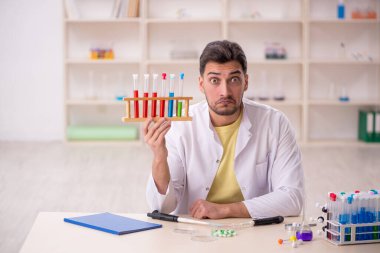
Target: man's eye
[(235, 80), (213, 80)]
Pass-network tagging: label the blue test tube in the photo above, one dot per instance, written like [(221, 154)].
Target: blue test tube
[(361, 214), (348, 211), (355, 214), (372, 214), (171, 94), (377, 214), (368, 217)]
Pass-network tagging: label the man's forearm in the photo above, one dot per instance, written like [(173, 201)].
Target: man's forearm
[(161, 174)]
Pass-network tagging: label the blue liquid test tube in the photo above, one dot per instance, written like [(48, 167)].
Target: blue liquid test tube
[(171, 94), (377, 217), (348, 212), (361, 218)]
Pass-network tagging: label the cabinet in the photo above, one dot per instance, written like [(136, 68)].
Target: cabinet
[(326, 58)]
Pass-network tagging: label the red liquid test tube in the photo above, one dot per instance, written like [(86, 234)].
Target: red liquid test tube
[(163, 92), (146, 94), (136, 95)]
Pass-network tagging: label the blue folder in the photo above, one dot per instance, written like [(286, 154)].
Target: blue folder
[(111, 223)]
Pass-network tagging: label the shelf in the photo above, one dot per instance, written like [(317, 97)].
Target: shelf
[(349, 103), (275, 62), (342, 62), (307, 29), (172, 61), (89, 61), (105, 20), (344, 21), (286, 102), (84, 102), (181, 20), (265, 21)]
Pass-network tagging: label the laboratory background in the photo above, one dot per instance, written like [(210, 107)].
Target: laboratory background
[(67, 141)]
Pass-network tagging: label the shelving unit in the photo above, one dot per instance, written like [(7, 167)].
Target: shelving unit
[(311, 77)]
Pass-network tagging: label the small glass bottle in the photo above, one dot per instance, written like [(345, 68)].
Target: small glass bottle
[(304, 233)]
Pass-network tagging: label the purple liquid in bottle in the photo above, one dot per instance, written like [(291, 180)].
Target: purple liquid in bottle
[(304, 235)]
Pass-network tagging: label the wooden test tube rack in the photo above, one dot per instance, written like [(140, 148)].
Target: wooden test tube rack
[(185, 117)]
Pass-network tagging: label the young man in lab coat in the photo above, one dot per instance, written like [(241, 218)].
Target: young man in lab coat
[(236, 158)]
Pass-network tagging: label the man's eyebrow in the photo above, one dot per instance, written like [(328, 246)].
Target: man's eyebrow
[(218, 74), (235, 72), (213, 73)]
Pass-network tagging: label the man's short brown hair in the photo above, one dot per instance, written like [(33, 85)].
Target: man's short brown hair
[(222, 51)]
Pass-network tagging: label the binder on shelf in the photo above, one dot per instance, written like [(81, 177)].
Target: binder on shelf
[(377, 126), (112, 223), (116, 9), (71, 9), (123, 9), (133, 8), (367, 125)]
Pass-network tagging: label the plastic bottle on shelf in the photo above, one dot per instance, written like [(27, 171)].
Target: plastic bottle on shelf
[(341, 9)]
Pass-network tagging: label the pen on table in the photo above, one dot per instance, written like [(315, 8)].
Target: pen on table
[(168, 217)]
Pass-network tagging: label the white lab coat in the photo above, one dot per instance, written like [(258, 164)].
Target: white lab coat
[(267, 163)]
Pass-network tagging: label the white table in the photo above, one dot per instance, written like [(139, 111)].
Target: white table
[(50, 234)]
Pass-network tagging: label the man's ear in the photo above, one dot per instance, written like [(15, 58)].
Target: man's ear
[(246, 82), (200, 84)]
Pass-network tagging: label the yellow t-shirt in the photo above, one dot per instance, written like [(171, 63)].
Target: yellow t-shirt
[(225, 188)]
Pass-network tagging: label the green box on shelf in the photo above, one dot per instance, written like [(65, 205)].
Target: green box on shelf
[(102, 133), (377, 126), (366, 125)]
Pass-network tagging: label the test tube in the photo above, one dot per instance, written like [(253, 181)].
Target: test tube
[(362, 215), (329, 206), (377, 212), (136, 94), (355, 213), (171, 94), (349, 215), (333, 206), (180, 93), (371, 214), (146, 94), (341, 204), (154, 94), (163, 92)]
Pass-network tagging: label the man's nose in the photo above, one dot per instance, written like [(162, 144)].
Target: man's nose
[(224, 89)]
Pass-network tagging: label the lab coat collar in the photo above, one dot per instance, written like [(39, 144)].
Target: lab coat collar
[(245, 132)]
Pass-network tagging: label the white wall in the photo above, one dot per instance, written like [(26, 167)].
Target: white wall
[(31, 70)]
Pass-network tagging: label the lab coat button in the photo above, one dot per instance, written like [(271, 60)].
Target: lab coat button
[(207, 188), (218, 161)]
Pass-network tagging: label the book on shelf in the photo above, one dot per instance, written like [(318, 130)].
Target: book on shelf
[(133, 8), (71, 9), (122, 9), (369, 125), (116, 9)]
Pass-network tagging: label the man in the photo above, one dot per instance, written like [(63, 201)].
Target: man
[(236, 158)]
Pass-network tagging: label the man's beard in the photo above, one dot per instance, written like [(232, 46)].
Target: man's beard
[(224, 111)]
